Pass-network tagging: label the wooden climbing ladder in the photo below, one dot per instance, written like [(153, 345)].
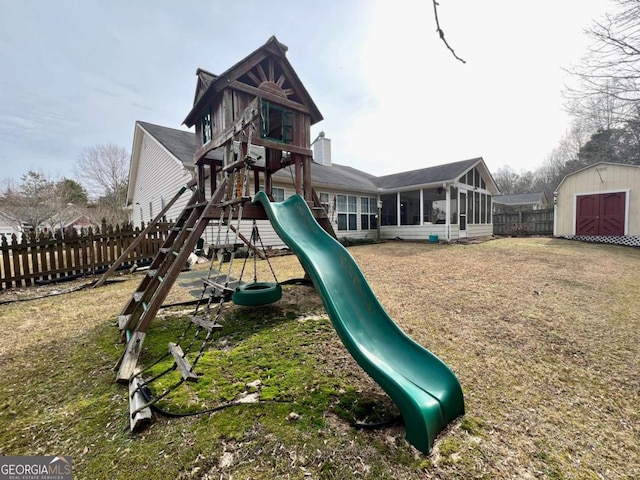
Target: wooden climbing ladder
[(140, 310)]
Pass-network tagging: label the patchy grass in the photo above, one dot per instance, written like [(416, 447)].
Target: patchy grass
[(543, 334)]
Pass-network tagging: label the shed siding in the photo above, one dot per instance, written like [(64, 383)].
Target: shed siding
[(600, 178), (157, 167)]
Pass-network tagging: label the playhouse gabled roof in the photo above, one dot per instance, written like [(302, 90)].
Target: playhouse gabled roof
[(204, 80), (271, 49)]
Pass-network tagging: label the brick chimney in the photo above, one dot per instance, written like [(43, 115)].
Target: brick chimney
[(322, 150)]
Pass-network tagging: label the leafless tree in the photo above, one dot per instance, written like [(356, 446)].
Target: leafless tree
[(608, 76), (30, 202), (104, 170)]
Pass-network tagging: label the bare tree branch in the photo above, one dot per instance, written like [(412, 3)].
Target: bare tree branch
[(441, 32)]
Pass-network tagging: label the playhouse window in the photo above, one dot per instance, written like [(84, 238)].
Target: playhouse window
[(205, 124), (276, 123)]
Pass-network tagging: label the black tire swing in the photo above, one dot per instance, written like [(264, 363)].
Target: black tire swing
[(256, 293)]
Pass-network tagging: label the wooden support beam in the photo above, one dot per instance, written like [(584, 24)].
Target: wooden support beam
[(248, 115), (306, 179), (139, 414), (129, 359), (263, 142), (277, 99), (298, 176)]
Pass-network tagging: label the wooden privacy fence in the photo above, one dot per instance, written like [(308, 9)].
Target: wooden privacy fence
[(534, 222), (46, 257)]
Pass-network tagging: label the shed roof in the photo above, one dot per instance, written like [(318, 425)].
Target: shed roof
[(588, 167)]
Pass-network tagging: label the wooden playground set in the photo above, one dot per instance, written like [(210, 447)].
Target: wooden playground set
[(260, 101)]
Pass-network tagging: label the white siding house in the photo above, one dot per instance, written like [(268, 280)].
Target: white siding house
[(8, 227), (449, 201), (160, 166)]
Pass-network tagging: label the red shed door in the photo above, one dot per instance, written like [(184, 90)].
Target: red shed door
[(600, 214)]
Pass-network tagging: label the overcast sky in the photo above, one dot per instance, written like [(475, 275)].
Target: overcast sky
[(76, 73)]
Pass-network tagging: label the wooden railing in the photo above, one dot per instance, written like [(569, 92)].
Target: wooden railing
[(534, 222), (50, 257)]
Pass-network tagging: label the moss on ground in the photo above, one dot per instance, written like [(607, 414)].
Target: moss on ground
[(544, 344)]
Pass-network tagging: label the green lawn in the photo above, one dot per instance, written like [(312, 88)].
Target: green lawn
[(543, 334)]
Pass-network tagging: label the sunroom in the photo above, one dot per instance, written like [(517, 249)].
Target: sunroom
[(448, 201)]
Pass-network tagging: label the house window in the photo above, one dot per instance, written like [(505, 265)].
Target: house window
[(368, 211), (410, 208), (347, 212), (389, 209), (324, 201), (207, 130), (277, 194), (276, 123)]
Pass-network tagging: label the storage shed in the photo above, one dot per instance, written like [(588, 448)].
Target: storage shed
[(601, 202)]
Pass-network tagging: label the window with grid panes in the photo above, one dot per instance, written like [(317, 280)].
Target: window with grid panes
[(368, 213), (347, 207)]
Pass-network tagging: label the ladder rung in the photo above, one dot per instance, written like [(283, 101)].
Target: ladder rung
[(165, 250), (195, 205), (217, 286), (152, 273), (145, 305), (123, 320), (179, 229), (182, 363), (207, 324)]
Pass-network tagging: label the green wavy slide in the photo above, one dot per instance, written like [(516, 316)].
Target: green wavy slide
[(425, 390)]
